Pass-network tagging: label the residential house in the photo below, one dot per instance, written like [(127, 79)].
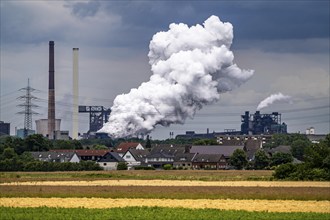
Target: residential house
[(165, 154), (110, 161), (135, 157), (223, 152), (281, 148), (93, 155), (58, 157), (251, 147), (183, 160), (125, 146), (209, 161)]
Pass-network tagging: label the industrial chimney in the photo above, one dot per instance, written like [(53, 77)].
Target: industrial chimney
[(75, 93), (51, 93)]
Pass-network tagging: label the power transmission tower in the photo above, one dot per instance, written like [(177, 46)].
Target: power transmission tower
[(28, 105)]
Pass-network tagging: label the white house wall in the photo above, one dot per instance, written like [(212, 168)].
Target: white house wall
[(108, 165), (139, 147), (75, 159)]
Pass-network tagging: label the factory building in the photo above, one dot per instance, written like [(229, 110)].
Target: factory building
[(22, 133), (252, 124), (256, 124), (4, 128)]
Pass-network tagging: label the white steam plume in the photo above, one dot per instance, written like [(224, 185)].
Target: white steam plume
[(191, 67), (279, 97)]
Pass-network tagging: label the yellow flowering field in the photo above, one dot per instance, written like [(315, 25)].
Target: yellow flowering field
[(226, 204)]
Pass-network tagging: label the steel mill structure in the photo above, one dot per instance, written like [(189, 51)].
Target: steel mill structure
[(253, 124)]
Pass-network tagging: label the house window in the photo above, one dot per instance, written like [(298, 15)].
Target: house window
[(104, 164), (128, 156)]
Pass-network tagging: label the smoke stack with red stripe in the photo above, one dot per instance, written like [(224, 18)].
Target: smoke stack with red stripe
[(51, 92)]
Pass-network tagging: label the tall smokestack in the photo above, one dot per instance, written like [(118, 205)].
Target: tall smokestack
[(51, 93), (75, 93)]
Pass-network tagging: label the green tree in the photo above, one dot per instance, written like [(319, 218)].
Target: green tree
[(148, 143), (298, 148), (205, 142), (122, 166), (167, 167), (99, 147), (280, 158), (261, 160), (284, 171), (238, 159), (67, 144), (37, 142), (8, 153), (317, 155)]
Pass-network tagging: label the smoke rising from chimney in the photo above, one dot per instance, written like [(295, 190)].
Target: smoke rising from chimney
[(279, 97), (191, 66)]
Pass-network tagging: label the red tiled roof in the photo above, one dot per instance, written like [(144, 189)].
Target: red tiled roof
[(123, 147)]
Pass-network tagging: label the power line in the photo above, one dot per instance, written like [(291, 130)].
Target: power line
[(28, 105)]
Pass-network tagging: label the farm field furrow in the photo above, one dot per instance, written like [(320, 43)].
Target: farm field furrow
[(227, 204), (161, 183), (168, 192)]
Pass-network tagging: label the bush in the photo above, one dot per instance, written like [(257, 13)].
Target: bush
[(144, 168), (167, 167), (122, 166), (284, 171)]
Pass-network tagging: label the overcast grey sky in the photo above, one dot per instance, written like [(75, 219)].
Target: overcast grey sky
[(285, 42)]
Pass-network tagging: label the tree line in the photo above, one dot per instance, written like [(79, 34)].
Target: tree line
[(313, 158)]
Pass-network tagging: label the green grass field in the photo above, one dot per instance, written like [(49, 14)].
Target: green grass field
[(151, 213)]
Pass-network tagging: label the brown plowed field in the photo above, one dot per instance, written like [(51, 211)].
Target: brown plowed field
[(168, 192)]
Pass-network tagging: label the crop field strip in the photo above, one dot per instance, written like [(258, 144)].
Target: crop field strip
[(212, 193), (150, 213), (172, 183), (168, 192), (222, 204), (202, 175)]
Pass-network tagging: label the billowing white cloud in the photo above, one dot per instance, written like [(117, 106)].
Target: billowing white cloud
[(191, 66), (279, 97)]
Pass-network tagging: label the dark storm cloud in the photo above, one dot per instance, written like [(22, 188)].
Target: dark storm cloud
[(139, 20), (251, 19), (85, 9)]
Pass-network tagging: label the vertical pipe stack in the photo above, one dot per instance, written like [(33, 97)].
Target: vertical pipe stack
[(51, 93), (75, 93)]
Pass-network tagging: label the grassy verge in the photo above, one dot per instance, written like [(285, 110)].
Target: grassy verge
[(146, 213), (203, 175), (168, 192)]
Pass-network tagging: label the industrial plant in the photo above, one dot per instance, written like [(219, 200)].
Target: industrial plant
[(251, 124)]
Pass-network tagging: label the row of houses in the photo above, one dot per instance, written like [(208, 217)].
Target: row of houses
[(134, 154)]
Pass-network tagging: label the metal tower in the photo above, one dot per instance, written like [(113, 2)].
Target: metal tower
[(97, 116), (27, 106)]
